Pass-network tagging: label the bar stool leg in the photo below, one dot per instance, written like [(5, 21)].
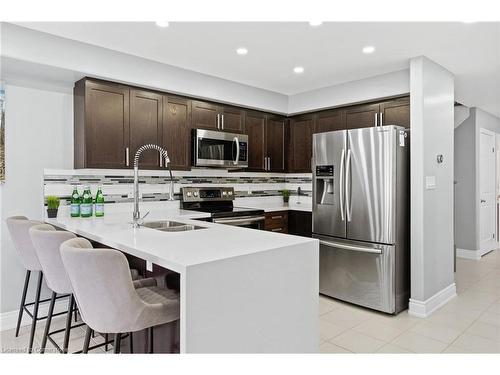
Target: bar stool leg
[(87, 339), (23, 301), (150, 340), (116, 345), (35, 312), (47, 323), (67, 331), (106, 338), (131, 342)]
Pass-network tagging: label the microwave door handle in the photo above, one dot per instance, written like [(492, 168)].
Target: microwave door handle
[(348, 186), (341, 184), (237, 151)]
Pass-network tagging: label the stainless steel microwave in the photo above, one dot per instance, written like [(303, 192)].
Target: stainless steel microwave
[(219, 149)]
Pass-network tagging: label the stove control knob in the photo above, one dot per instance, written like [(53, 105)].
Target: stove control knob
[(189, 194), (195, 193), (224, 193), (230, 192)]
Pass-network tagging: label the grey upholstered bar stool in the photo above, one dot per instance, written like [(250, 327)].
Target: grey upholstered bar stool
[(19, 231), (106, 297), (47, 241)]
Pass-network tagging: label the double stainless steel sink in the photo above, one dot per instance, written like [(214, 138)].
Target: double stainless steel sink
[(170, 226)]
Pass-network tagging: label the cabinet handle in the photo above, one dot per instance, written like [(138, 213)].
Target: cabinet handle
[(381, 119), (276, 230), (127, 156), (276, 217), (376, 119), (218, 121), (269, 163), (222, 122)]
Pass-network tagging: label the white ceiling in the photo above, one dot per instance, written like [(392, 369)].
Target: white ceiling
[(330, 54)]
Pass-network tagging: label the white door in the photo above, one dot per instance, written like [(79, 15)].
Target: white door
[(487, 188)]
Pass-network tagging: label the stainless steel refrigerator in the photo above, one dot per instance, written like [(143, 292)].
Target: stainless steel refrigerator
[(361, 215)]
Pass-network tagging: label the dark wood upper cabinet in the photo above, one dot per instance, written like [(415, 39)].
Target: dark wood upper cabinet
[(205, 115), (275, 143), (177, 131), (300, 144), (256, 131), (146, 121), (232, 119), (396, 112), (328, 121), (362, 116), (102, 126), (111, 121)]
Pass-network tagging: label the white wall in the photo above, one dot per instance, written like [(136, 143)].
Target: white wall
[(52, 55), (432, 120), (38, 135), (381, 86)]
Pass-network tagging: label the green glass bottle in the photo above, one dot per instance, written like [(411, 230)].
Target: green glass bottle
[(75, 203), (86, 205), (99, 203)]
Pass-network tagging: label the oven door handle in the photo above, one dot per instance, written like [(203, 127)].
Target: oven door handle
[(241, 220), (237, 150)]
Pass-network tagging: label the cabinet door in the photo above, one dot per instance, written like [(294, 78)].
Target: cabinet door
[(256, 130), (328, 121), (362, 116), (396, 112), (106, 125), (177, 131), (145, 126), (300, 223), (300, 147), (275, 143), (204, 115), (232, 120)]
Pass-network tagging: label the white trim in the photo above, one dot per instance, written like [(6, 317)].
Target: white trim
[(474, 254), (8, 320), (423, 309)]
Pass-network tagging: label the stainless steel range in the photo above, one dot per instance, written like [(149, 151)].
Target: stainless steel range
[(218, 201)]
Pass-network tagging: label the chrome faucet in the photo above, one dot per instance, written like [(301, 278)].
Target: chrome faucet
[(163, 154)]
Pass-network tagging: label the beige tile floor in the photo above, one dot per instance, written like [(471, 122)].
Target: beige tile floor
[(468, 324)]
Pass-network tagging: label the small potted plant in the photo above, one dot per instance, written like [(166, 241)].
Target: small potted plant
[(286, 195), (52, 206)]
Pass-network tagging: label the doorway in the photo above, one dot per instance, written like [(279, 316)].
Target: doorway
[(487, 191)]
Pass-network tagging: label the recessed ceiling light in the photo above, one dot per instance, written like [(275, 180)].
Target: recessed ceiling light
[(298, 69), (242, 51), (315, 23), (162, 23), (368, 49)]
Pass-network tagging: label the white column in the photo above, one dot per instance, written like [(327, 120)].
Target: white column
[(432, 132)]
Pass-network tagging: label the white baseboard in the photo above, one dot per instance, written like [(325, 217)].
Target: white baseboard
[(8, 320), (422, 309), (473, 254)]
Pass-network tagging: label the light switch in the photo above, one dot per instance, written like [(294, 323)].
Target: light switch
[(149, 266), (430, 182)]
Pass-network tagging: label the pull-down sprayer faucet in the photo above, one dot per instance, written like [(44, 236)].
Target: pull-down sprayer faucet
[(163, 154)]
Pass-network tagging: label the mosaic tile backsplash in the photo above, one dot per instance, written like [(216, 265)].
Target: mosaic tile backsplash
[(118, 185)]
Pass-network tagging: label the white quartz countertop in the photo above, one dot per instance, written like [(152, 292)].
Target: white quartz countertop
[(272, 204), (175, 250)]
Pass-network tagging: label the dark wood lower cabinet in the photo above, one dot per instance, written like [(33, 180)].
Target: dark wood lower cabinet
[(300, 223), (294, 222), (277, 221)]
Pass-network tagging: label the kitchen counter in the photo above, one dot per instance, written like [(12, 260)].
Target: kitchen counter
[(272, 204), (241, 289)]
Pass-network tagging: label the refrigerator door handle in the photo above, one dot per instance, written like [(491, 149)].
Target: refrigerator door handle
[(348, 186), (341, 185), (351, 247)]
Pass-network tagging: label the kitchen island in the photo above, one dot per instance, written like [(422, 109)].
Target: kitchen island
[(241, 290)]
